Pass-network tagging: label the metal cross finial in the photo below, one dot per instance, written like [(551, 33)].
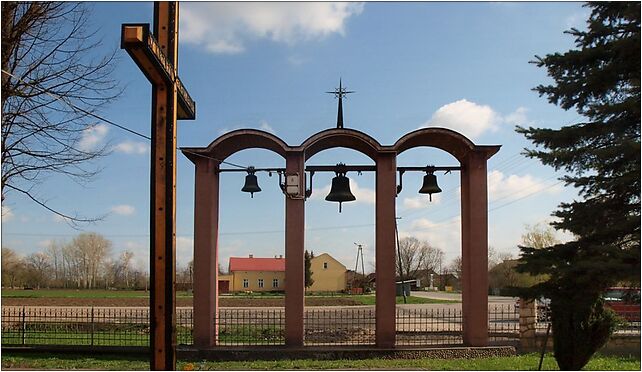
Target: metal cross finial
[(339, 93)]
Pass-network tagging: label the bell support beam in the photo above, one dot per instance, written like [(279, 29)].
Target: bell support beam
[(350, 168), (474, 226), (206, 213), (294, 254), (386, 189)]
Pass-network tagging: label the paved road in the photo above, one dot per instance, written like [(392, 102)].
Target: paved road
[(457, 297)]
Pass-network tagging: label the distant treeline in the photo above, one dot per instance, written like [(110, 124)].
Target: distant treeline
[(85, 262)]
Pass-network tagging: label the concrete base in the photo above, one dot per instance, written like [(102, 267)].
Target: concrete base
[(346, 352)]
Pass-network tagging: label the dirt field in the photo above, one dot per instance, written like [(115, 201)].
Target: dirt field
[(181, 302)]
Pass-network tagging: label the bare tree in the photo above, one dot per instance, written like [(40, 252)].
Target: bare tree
[(118, 271), (38, 270), (87, 255), (495, 258), (51, 92), (184, 275), (456, 267), (539, 236), (412, 254), (12, 267), (417, 255), (71, 266), (433, 258), (54, 251)]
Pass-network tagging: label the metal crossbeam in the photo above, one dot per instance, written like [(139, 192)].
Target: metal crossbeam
[(349, 168)]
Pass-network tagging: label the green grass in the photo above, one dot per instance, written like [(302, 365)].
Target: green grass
[(102, 293), (370, 300), (131, 334), (520, 362), (79, 293), (136, 335)]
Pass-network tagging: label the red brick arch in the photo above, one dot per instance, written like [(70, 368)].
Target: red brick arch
[(347, 138), (474, 225), (237, 140)]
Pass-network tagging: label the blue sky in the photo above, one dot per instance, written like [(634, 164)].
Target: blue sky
[(267, 66)]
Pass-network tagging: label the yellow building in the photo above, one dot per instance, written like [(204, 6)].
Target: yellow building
[(329, 275), (256, 274)]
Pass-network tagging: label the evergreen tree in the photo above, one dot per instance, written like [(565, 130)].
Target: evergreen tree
[(601, 155), (308, 273)]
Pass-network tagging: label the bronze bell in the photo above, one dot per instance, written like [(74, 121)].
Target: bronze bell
[(251, 183), (340, 191), (430, 185)]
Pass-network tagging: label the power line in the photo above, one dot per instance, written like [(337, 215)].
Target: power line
[(524, 197), (105, 120), (439, 222), (506, 164), (222, 233)]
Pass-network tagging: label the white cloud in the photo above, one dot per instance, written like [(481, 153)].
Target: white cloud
[(468, 118), (123, 209), (45, 243), (577, 20), (421, 201), (134, 246), (7, 214), (141, 253), (363, 194), (225, 27), (514, 186), (131, 147), (263, 125), (445, 235), (222, 131), (92, 136), (517, 117), (296, 60), (184, 250), (473, 120), (58, 218), (266, 127)]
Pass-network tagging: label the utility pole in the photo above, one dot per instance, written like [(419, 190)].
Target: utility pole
[(356, 264), (157, 56), (403, 284)]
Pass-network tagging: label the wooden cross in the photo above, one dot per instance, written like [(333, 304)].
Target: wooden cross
[(157, 57)]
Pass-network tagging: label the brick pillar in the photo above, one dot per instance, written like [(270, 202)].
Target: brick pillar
[(474, 224), (527, 321), (386, 184), (205, 278), (294, 255)]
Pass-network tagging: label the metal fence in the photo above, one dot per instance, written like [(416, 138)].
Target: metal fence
[(340, 326), (629, 321), (434, 326), (85, 326), (503, 323), (237, 327), (428, 326), (330, 326)]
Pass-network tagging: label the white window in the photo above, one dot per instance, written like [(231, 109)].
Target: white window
[(325, 265), (275, 283), (260, 283), (246, 283)]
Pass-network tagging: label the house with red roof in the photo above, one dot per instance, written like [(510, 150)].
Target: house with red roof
[(256, 274), (266, 274)]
